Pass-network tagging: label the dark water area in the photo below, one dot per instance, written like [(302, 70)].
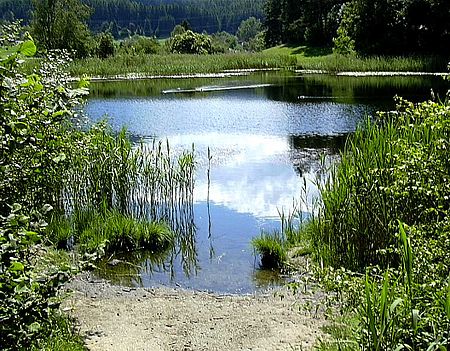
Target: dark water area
[(267, 134)]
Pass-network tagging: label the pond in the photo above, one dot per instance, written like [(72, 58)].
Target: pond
[(261, 137)]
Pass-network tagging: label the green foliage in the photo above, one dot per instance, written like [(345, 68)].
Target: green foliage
[(27, 295), (343, 43), (59, 24), (137, 45), (388, 171), (249, 29), (190, 43), (301, 21), (33, 130), (177, 30), (398, 27), (105, 45), (394, 169), (223, 42)]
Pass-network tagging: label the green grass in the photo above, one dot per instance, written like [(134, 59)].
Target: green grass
[(177, 64), (271, 248), (60, 336), (115, 232), (323, 59), (283, 57), (385, 213)]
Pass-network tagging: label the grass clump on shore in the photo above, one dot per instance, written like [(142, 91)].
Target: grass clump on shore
[(113, 231), (271, 248), (276, 248), (385, 214)]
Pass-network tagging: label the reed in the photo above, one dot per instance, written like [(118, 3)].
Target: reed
[(177, 64), (117, 196), (384, 208)]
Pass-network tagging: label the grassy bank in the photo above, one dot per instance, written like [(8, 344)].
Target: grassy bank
[(282, 57), (324, 59)]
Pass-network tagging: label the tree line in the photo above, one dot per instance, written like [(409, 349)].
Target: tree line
[(153, 18), (366, 26)]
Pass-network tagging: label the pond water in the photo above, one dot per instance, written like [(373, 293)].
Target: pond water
[(266, 133)]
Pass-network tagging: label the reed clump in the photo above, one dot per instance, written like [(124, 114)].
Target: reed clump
[(275, 247), (119, 197)]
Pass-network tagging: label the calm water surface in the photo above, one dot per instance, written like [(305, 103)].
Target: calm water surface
[(266, 139)]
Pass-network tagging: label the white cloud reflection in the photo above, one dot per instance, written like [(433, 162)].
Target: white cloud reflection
[(249, 173)]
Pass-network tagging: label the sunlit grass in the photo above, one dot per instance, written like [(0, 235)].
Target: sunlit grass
[(177, 64)]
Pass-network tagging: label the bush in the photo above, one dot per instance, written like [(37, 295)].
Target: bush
[(140, 45), (27, 295), (190, 43)]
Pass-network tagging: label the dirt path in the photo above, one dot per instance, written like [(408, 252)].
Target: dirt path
[(117, 318)]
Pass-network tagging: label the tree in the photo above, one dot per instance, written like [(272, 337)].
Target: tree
[(106, 45), (249, 29), (272, 23), (61, 24)]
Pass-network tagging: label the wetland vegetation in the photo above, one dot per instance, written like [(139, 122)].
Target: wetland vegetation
[(379, 222)]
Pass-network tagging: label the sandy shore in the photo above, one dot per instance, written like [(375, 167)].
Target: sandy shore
[(154, 319)]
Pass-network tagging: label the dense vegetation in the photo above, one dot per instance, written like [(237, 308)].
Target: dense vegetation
[(385, 205), (65, 184), (367, 26), (144, 17)]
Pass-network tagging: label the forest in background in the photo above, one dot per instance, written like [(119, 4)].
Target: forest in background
[(372, 27), (153, 18)]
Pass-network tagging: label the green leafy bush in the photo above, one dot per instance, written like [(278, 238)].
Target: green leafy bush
[(27, 295), (190, 43)]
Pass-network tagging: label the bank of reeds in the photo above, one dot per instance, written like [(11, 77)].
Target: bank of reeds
[(395, 169), (177, 64), (341, 63)]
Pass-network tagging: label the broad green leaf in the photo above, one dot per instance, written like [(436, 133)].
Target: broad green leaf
[(28, 48), (16, 266)]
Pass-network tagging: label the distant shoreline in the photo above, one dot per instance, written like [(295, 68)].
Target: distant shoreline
[(245, 72)]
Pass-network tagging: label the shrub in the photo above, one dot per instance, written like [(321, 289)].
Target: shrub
[(190, 43)]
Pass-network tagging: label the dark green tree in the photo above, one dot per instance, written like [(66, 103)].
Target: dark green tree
[(273, 24), (106, 47), (62, 24)]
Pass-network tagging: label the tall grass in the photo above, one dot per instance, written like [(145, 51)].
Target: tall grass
[(394, 169), (391, 169), (177, 64), (117, 196), (340, 63)]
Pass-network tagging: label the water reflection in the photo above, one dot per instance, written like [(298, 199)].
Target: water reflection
[(260, 145)]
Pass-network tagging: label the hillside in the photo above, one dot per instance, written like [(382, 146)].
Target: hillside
[(154, 17)]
